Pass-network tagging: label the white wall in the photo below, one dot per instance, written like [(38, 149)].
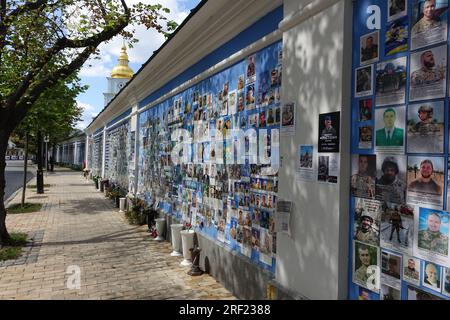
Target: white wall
[(316, 75)]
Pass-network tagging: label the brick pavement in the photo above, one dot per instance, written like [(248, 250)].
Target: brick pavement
[(78, 226)]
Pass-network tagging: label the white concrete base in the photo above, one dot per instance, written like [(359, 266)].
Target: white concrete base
[(176, 239), (122, 204), (186, 263), (160, 224), (187, 240), (176, 254)]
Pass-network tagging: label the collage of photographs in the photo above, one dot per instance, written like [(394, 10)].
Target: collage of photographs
[(221, 183), (400, 229)]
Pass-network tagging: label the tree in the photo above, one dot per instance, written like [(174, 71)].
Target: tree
[(45, 41)]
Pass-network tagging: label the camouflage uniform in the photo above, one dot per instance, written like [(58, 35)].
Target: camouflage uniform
[(362, 186), (423, 25), (361, 275), (425, 76), (411, 273), (433, 241), (394, 192), (370, 236)]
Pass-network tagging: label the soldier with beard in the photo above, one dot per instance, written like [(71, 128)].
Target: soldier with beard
[(428, 73), (365, 232), (389, 187), (425, 182)]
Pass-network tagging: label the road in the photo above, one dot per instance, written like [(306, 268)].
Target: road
[(14, 176)]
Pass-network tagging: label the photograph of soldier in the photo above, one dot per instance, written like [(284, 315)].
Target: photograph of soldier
[(390, 130), (397, 36), (363, 78), (425, 127), (306, 157), (362, 182), (397, 227), (428, 74), (417, 294), (251, 69), (429, 23), (396, 9), (411, 270), (390, 184), (367, 221), (364, 294), (446, 281), (365, 256), (365, 137), (425, 181), (370, 47), (365, 110), (389, 293), (323, 171), (391, 268), (329, 126), (432, 235), (391, 82), (431, 277)]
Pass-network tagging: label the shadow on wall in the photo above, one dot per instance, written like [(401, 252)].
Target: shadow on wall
[(312, 73)]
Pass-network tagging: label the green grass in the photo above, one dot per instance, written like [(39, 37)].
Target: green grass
[(33, 186), (14, 250), (28, 207)]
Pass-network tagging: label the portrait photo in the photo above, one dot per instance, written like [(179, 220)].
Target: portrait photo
[(364, 172), (391, 268), (390, 130), (431, 236), (428, 78), (391, 82), (397, 225), (370, 47), (429, 23), (306, 156), (431, 276), (397, 36), (251, 69), (363, 78), (418, 294), (426, 181), (364, 294), (367, 221), (389, 293), (397, 9), (425, 127), (250, 97), (365, 109), (366, 260), (390, 184), (329, 128), (411, 270), (446, 281), (232, 102), (365, 137)]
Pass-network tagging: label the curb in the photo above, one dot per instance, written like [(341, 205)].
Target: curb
[(11, 197)]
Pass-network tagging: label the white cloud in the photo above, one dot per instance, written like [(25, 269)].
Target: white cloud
[(89, 112)]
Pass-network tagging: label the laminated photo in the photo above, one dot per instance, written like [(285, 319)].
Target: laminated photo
[(367, 221), (426, 181), (397, 9), (390, 184), (363, 78), (370, 48), (265, 253), (365, 137), (397, 36), (329, 127), (390, 293), (365, 109), (250, 97), (362, 181), (366, 264), (418, 294), (428, 76), (390, 130), (411, 270), (391, 269), (397, 227), (425, 130), (431, 236), (391, 82), (446, 281), (429, 23), (251, 69), (431, 276)]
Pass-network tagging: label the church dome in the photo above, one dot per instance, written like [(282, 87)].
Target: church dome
[(122, 70)]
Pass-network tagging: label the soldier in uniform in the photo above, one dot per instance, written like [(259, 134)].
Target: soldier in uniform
[(429, 20), (432, 238), (389, 187), (365, 232), (360, 274), (428, 73), (425, 126), (410, 271), (363, 182), (370, 51), (328, 130), (425, 182), (396, 224)]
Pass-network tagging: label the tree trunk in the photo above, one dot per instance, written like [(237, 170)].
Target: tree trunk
[(40, 173), (4, 235), (25, 168)]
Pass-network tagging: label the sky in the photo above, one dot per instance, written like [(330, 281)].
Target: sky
[(94, 72)]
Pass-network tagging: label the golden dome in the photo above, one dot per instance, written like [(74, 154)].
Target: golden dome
[(122, 70)]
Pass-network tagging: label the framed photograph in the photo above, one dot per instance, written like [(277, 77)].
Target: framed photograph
[(370, 48), (397, 225), (431, 276), (428, 78), (429, 23), (364, 172), (365, 109), (363, 85), (426, 181), (446, 281), (426, 129), (390, 184), (366, 261), (418, 294), (411, 270), (367, 221), (390, 130), (391, 269), (365, 137), (329, 127), (397, 36), (397, 9), (390, 293), (391, 82)]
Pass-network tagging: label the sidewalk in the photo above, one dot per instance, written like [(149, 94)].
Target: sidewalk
[(79, 227)]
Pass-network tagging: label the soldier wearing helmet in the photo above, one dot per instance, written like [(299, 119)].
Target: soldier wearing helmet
[(389, 187), (425, 125), (366, 232)]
